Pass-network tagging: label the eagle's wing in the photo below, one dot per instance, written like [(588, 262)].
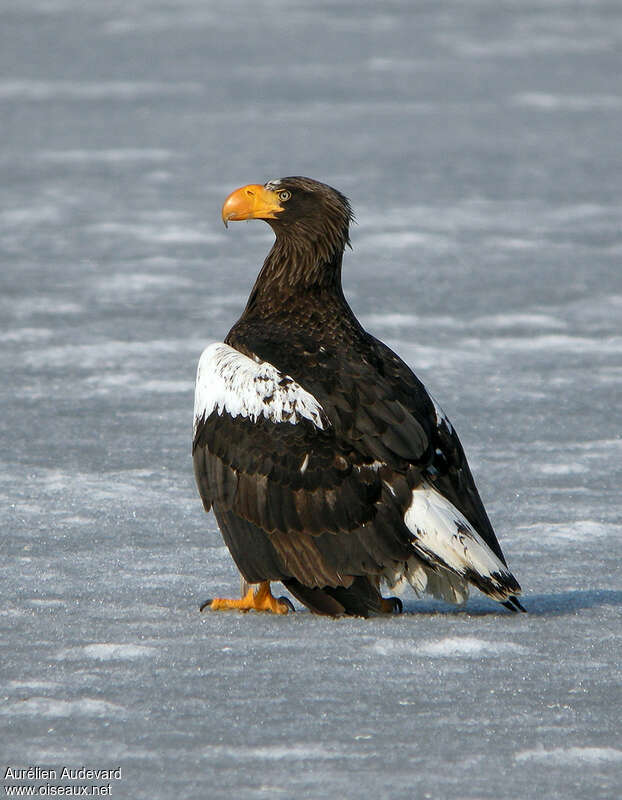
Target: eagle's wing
[(447, 500), (448, 467)]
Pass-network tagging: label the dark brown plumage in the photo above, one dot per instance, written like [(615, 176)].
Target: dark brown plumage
[(327, 464)]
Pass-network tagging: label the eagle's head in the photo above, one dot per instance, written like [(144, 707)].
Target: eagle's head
[(306, 213)]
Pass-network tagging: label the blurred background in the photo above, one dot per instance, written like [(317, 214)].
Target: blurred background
[(479, 144)]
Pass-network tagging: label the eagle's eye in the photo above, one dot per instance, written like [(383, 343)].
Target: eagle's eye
[(284, 195)]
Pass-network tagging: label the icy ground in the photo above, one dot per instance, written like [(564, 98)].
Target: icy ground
[(479, 143)]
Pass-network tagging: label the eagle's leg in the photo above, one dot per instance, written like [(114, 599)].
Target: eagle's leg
[(256, 598)]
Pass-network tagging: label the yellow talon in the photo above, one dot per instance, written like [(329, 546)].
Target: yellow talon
[(255, 599)]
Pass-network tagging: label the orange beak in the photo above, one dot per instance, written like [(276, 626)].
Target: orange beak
[(251, 202)]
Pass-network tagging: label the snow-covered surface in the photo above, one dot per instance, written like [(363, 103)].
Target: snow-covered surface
[(479, 143)]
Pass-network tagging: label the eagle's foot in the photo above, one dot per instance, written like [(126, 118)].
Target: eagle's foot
[(391, 605), (258, 598)]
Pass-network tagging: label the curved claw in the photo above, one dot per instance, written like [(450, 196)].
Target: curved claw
[(205, 605), (392, 605), (287, 602)]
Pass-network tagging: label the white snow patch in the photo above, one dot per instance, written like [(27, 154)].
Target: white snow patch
[(567, 102), (164, 234), (464, 354), (32, 684), (467, 646), (593, 445), (30, 215), (450, 647), (106, 354), (393, 319), (28, 306), (276, 752), (167, 387), (102, 385), (387, 647), (406, 239), (134, 488), (75, 520), (52, 707), (551, 343), (26, 335), (159, 18), (527, 320), (122, 283), (48, 603), (571, 756), (519, 320), (569, 468), (91, 90), (528, 42), (513, 243), (115, 750), (579, 530), (118, 156), (108, 651)]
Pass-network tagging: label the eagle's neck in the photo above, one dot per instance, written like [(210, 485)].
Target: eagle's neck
[(298, 270)]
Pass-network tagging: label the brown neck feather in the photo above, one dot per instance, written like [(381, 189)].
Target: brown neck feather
[(299, 264)]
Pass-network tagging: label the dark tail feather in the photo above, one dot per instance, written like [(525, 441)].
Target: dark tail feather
[(514, 604)]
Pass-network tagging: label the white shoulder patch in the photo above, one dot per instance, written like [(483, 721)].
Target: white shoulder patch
[(443, 534), (231, 383)]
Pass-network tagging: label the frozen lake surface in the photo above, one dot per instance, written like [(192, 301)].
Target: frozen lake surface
[(480, 146)]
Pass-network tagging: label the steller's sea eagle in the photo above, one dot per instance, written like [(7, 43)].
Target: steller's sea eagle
[(328, 465)]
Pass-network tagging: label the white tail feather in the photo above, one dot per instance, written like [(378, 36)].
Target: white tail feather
[(443, 536), (438, 582)]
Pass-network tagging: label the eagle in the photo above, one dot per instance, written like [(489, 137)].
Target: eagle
[(327, 464)]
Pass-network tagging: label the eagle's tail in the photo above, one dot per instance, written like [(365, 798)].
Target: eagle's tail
[(445, 541)]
